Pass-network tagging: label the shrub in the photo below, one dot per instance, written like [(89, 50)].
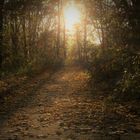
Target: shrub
[(119, 69)]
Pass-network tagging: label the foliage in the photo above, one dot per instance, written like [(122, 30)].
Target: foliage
[(119, 70), (33, 37), (116, 63), (128, 86), (28, 36)]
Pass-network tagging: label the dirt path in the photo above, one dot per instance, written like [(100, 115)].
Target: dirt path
[(63, 108)]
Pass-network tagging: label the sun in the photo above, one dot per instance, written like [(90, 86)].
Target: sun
[(72, 16)]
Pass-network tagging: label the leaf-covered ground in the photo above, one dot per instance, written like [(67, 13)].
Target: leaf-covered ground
[(62, 106)]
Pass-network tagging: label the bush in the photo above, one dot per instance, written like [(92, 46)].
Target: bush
[(118, 69), (128, 86)]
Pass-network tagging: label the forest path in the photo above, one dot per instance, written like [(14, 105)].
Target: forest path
[(63, 108)]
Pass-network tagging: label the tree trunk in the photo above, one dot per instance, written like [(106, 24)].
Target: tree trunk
[(78, 43), (85, 37), (58, 30), (64, 42), (1, 31), (64, 30), (25, 40)]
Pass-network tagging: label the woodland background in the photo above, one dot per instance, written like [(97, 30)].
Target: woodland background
[(32, 38)]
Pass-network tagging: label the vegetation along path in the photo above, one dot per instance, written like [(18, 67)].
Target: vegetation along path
[(62, 108)]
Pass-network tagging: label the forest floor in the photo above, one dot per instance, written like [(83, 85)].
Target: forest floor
[(62, 106)]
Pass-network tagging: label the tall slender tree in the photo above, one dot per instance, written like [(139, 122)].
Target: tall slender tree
[(1, 30)]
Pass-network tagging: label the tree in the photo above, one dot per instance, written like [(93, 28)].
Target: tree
[(1, 30)]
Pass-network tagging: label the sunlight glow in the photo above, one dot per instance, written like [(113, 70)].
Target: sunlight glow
[(72, 16)]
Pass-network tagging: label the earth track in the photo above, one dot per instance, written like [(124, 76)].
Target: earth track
[(61, 107)]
